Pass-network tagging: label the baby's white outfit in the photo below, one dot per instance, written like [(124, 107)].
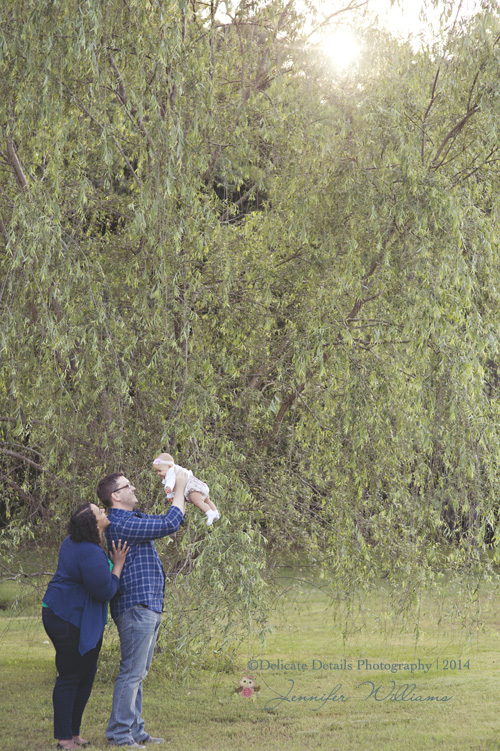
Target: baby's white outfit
[(193, 483)]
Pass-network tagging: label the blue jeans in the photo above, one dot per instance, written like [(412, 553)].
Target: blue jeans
[(75, 677), (138, 629)]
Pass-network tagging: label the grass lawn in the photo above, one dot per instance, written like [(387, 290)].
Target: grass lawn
[(205, 712)]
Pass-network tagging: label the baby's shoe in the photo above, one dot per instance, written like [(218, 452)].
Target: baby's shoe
[(212, 516)]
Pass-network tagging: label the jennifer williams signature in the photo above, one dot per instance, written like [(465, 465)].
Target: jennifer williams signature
[(404, 693), (332, 696)]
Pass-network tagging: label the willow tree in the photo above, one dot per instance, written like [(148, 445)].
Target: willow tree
[(115, 118), (215, 245), (384, 396)]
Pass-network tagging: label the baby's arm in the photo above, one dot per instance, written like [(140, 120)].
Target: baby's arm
[(169, 480)]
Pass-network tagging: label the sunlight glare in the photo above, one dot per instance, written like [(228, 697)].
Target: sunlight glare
[(342, 47)]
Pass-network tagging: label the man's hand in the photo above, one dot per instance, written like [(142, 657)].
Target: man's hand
[(181, 479), (180, 484)]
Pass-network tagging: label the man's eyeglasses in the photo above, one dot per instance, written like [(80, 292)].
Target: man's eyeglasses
[(128, 485)]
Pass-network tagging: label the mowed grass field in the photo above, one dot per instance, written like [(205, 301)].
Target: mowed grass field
[(309, 697)]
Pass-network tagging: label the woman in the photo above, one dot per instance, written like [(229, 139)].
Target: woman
[(74, 615)]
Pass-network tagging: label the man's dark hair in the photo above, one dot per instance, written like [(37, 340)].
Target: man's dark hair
[(106, 486), (82, 527)]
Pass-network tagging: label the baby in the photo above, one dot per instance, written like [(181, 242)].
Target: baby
[(195, 491)]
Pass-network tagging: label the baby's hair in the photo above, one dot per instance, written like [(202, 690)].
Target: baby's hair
[(163, 460)]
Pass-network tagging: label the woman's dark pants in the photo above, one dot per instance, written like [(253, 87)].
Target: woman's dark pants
[(75, 677)]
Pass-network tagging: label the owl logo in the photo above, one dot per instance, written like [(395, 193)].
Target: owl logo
[(247, 687)]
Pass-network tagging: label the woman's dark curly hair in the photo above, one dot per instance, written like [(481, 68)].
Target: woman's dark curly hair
[(83, 525)]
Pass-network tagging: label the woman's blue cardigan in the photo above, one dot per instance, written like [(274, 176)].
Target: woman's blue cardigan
[(81, 588)]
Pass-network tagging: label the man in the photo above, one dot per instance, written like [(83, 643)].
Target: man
[(137, 606)]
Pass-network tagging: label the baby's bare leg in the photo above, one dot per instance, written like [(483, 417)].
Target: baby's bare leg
[(199, 501), (210, 503), (204, 504)]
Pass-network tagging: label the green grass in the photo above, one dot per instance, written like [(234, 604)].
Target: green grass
[(20, 593), (204, 712)]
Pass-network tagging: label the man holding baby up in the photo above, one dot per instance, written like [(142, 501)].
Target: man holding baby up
[(137, 606)]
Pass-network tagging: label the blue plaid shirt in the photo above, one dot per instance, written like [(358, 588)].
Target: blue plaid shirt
[(143, 580)]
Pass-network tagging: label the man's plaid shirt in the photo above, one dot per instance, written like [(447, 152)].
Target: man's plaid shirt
[(142, 581)]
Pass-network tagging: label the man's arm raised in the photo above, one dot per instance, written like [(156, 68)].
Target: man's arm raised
[(136, 528)]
